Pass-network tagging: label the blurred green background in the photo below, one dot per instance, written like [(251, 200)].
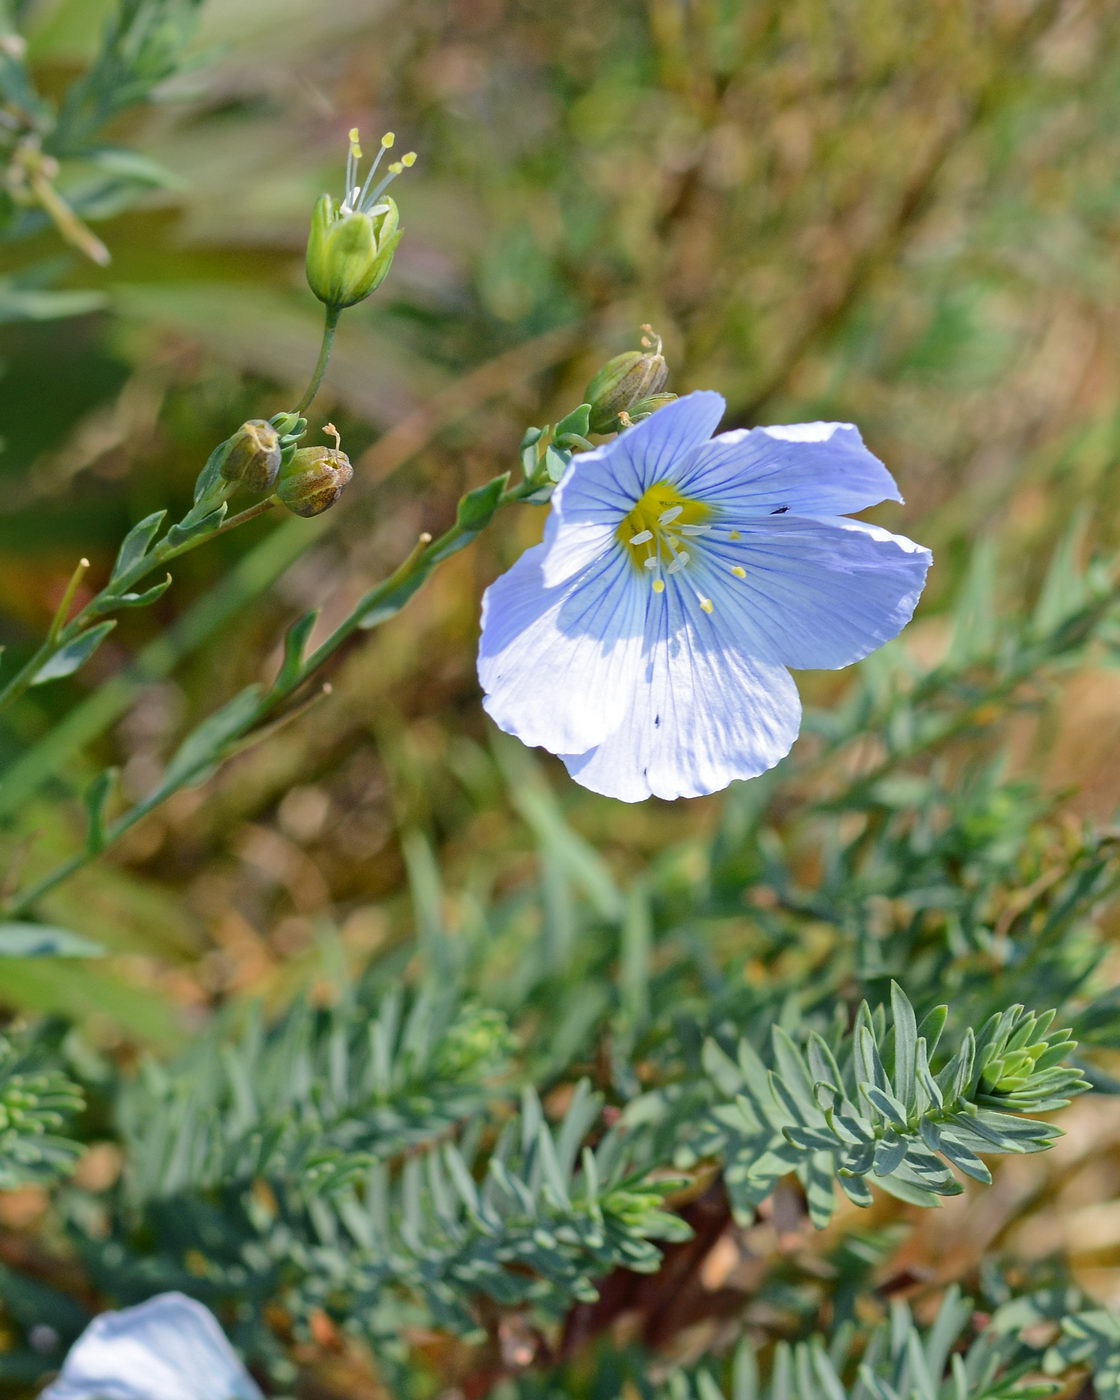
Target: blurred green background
[(889, 211)]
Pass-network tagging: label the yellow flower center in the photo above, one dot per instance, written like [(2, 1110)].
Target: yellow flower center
[(663, 529), (658, 527)]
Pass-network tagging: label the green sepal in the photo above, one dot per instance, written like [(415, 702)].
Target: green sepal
[(576, 424), (290, 426), (556, 462)]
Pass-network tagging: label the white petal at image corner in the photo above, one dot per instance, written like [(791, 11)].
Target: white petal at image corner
[(168, 1348)]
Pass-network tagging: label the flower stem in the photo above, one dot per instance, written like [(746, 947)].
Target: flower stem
[(330, 325), (103, 603), (381, 603)]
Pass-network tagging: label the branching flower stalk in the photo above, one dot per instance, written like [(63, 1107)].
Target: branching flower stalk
[(251, 713), (349, 253), (117, 594)]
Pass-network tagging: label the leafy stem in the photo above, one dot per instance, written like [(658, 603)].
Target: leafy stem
[(251, 713), (75, 640)]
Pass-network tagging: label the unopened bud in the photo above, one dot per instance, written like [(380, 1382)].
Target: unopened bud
[(253, 458), (289, 424), (623, 383), (313, 480), (349, 253)]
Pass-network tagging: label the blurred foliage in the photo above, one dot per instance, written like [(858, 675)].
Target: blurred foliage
[(902, 214)]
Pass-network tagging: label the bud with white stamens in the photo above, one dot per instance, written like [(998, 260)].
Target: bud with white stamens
[(351, 244)]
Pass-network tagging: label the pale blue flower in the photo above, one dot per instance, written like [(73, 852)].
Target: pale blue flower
[(169, 1348), (646, 640)]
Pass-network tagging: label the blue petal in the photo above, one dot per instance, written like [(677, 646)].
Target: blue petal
[(558, 661), (805, 469), (702, 713), (169, 1347), (612, 477), (817, 593)]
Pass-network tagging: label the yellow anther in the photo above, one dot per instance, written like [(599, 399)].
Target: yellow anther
[(659, 585), (734, 535), (396, 167), (707, 605), (388, 139), (738, 571), (409, 159), (660, 520), (355, 145)]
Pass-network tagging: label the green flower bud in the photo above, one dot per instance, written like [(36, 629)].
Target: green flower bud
[(289, 424), (313, 480), (624, 382), (351, 244), (254, 456)]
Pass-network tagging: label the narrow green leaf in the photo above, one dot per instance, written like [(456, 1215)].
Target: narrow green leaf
[(74, 654), (903, 1071), (295, 644), (136, 600), (96, 798), (135, 544), (477, 507)]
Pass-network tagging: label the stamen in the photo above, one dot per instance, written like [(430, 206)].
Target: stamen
[(650, 339), (659, 585), (386, 143), (659, 526), (738, 571), (353, 156), (394, 170), (408, 160), (707, 605)]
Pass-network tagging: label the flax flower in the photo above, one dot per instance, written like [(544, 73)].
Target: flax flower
[(648, 639)]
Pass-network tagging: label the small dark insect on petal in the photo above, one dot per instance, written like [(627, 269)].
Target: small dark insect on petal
[(780, 511), (657, 721)]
